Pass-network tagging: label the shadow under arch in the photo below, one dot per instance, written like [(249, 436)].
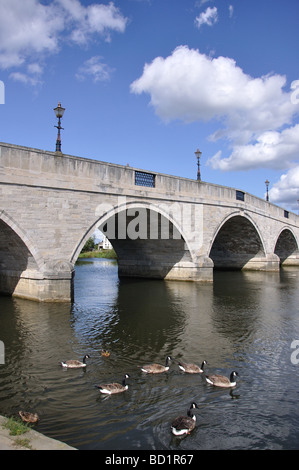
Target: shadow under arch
[(236, 244), (286, 247), (146, 239), (15, 255)]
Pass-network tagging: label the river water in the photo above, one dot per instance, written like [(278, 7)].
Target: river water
[(243, 321)]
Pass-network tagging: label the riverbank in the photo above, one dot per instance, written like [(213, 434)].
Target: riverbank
[(30, 440), (109, 254)]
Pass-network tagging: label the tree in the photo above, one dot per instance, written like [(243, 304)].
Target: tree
[(89, 245)]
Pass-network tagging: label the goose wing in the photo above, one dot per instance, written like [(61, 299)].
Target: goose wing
[(219, 380), (153, 368), (112, 388), (182, 425), (73, 363), (190, 368)]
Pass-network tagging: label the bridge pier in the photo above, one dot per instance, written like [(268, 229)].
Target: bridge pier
[(243, 262), (201, 271), (269, 262), (35, 286), (292, 260)]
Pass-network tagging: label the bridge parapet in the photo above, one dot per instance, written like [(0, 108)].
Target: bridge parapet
[(24, 165)]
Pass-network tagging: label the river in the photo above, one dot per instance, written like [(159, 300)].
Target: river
[(243, 321)]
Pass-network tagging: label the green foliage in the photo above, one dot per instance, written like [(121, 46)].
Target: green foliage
[(89, 245), (23, 443), (16, 426), (110, 254)]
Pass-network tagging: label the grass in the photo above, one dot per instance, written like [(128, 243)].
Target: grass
[(110, 254), (23, 443), (16, 427)]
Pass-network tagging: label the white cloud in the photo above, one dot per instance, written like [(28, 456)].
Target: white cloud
[(30, 28), (94, 68), (255, 115), (286, 190), (201, 2), (230, 10), (272, 149), (25, 78), (93, 19), (27, 28), (35, 69), (31, 77), (208, 17)]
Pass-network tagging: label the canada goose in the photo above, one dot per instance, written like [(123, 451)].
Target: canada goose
[(105, 353), (110, 389), (222, 381), (192, 368), (29, 417), (184, 424), (156, 368), (73, 364)]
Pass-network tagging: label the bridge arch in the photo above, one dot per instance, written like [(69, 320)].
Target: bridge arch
[(18, 256), (148, 239), (20, 233), (286, 247), (237, 244)]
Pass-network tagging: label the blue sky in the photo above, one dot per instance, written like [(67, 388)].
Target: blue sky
[(147, 82)]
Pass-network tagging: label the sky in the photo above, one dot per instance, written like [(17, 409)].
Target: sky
[(148, 82)]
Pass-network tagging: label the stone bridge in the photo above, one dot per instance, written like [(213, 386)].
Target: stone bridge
[(160, 226)]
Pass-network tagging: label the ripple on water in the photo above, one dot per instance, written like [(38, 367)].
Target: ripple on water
[(238, 323)]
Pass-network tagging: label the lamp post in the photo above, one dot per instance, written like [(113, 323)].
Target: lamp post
[(267, 189), (59, 113), (198, 155)]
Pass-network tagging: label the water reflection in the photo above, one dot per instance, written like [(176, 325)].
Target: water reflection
[(244, 321)]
